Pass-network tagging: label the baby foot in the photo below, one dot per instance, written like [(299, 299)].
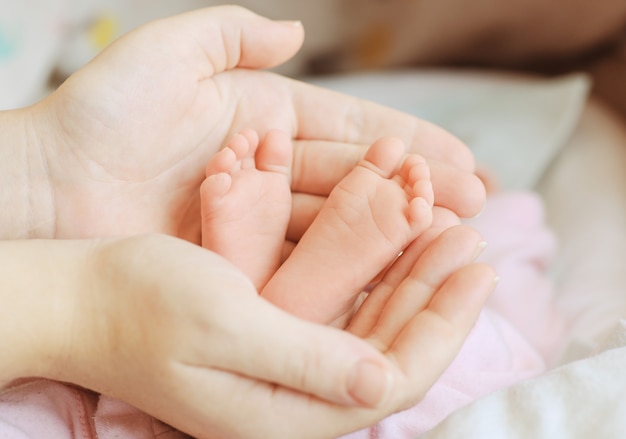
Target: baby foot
[(246, 202), (368, 219)]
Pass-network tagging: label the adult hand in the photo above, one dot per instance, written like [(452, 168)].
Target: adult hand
[(124, 141), (181, 334)]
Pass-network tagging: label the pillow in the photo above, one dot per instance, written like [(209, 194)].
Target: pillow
[(515, 124)]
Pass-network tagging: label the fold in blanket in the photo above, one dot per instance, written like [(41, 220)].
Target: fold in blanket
[(580, 400), (43, 409)]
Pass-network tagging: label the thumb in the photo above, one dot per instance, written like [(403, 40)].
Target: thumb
[(232, 36), (310, 358)]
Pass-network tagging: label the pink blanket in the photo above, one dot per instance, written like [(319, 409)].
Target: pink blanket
[(511, 341)]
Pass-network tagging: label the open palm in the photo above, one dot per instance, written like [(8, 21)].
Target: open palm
[(130, 133)]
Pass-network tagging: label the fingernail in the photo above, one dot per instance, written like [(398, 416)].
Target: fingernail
[(482, 209), (479, 249), (494, 284), (369, 383), (294, 23)]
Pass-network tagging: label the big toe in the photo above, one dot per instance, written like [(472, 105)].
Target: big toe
[(384, 156)]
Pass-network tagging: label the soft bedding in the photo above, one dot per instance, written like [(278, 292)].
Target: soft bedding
[(572, 152), (580, 400)]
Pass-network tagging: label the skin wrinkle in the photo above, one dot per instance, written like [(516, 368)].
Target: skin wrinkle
[(374, 218), (233, 52), (183, 230), (293, 116), (239, 104), (37, 147), (67, 133), (422, 306), (355, 118), (357, 124), (28, 188), (303, 377), (208, 74), (342, 209), (297, 166), (191, 211)]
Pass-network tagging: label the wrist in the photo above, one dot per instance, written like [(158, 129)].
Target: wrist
[(25, 196), (39, 284)]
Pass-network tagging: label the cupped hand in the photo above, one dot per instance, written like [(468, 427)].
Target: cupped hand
[(125, 139), (179, 333)]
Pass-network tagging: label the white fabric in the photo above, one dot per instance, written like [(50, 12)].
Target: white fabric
[(581, 400), (585, 194)]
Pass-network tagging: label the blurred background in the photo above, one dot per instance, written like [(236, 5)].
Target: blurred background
[(52, 38)]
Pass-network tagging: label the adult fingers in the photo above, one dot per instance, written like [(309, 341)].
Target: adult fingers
[(370, 311), (305, 208), (227, 326), (461, 192), (319, 165), (240, 407), (448, 253), (265, 343), (230, 36), (429, 342), (351, 120), (443, 219)]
